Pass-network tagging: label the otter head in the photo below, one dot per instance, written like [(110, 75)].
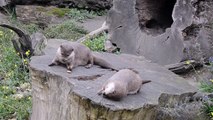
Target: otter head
[(66, 50), (110, 91)]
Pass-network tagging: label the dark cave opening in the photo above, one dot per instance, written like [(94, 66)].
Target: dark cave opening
[(155, 15)]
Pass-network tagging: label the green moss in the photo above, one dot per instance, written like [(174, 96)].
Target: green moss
[(59, 12)]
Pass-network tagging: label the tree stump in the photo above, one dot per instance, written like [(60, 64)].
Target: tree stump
[(58, 95)]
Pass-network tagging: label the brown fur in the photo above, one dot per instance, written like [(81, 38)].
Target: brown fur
[(74, 54), (126, 82)]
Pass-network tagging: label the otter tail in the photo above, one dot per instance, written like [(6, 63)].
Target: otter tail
[(103, 63), (146, 81)]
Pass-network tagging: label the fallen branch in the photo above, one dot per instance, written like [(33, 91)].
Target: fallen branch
[(184, 66), (94, 33)]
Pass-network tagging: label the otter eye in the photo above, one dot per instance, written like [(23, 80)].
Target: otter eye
[(64, 54)]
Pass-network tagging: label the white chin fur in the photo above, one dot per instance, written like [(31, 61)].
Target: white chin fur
[(72, 54), (110, 88)]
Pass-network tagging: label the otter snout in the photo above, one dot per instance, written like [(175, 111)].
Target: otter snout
[(104, 94)]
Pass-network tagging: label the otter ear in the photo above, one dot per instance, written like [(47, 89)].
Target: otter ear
[(61, 46)]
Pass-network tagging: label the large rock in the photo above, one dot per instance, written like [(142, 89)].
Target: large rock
[(38, 15), (60, 95), (164, 31), (3, 18), (3, 3)]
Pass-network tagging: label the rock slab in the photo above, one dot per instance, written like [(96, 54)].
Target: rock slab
[(60, 95), (164, 31)]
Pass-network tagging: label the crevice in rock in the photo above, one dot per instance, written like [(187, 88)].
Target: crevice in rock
[(191, 32), (92, 77), (155, 16)]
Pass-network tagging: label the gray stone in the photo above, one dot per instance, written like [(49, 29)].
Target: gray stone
[(59, 95), (39, 42), (3, 18), (34, 14), (165, 31), (3, 3)]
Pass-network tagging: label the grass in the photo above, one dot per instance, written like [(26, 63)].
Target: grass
[(207, 86), (97, 43), (81, 15), (67, 30), (14, 77), (59, 12), (73, 13)]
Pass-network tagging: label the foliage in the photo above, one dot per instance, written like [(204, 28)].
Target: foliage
[(97, 43), (13, 73), (80, 15), (73, 13), (59, 12), (67, 30), (208, 108), (207, 86)]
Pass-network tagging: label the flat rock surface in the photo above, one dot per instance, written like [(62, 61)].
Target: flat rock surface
[(93, 24), (163, 81)]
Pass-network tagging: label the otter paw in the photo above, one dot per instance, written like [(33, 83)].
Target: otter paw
[(52, 64), (88, 66), (69, 71)]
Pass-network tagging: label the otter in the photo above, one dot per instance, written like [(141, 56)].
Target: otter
[(74, 54), (122, 83)]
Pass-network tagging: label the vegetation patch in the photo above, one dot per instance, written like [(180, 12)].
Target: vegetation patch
[(207, 86), (97, 43), (67, 30), (73, 13), (59, 12), (81, 15), (15, 96)]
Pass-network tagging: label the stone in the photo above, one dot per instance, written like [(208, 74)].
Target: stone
[(61, 95), (3, 18), (35, 14), (3, 3), (39, 42), (165, 31)]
